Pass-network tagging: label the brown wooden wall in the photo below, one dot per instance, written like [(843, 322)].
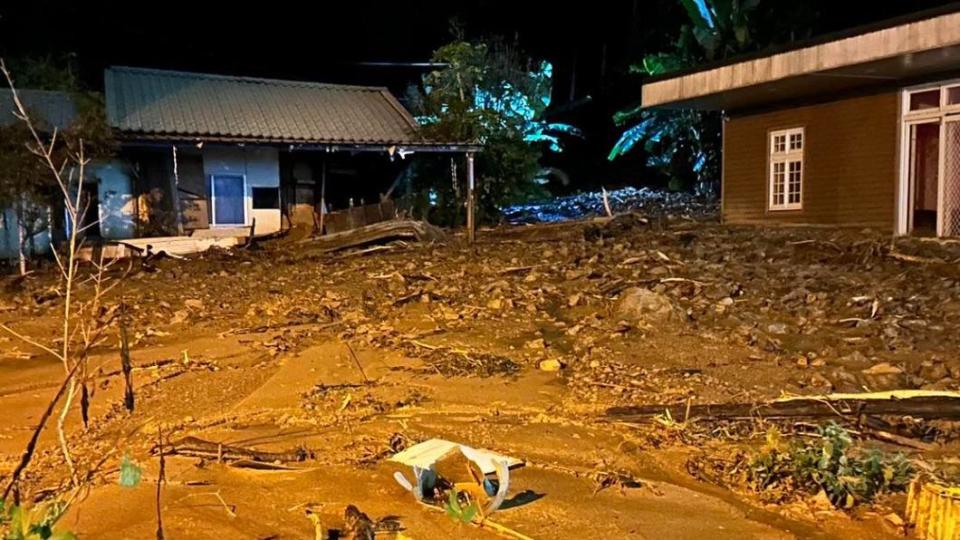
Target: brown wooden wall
[(850, 163)]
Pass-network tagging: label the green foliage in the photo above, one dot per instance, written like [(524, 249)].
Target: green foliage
[(130, 473), (50, 72), (460, 512), (26, 185), (488, 93), (18, 523), (830, 464), (685, 145)]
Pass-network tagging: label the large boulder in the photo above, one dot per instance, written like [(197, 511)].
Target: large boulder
[(645, 306)]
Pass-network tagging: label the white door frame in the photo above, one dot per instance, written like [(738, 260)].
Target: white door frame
[(906, 192), (213, 199), (908, 119)]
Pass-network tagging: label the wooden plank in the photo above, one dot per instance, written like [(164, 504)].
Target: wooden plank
[(932, 406), (378, 232)]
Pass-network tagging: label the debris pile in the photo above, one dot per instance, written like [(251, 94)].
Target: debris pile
[(647, 201)]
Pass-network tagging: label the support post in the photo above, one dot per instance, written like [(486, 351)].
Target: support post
[(471, 218), (176, 193), (323, 195)]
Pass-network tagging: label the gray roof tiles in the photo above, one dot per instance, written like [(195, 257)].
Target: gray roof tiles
[(173, 104)]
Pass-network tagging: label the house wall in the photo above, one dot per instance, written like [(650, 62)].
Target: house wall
[(850, 163), (261, 168), (194, 189), (10, 237), (118, 209)]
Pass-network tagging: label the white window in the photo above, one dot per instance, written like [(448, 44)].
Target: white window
[(786, 169)]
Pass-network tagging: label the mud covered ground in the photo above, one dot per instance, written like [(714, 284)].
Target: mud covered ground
[(517, 344)]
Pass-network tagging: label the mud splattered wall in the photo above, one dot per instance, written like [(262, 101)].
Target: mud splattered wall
[(117, 203), (850, 163), (261, 169)]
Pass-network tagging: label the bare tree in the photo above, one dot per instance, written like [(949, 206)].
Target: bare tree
[(83, 323)]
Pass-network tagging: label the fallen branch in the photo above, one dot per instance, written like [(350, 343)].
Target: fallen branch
[(32, 444), (934, 405), (356, 361), (161, 478), (195, 447), (914, 259)]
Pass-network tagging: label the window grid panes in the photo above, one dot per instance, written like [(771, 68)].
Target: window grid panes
[(786, 169)]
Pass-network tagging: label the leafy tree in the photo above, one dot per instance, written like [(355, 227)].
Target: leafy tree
[(488, 93), (26, 186), (685, 145)]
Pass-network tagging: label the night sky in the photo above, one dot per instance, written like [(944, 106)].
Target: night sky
[(591, 44)]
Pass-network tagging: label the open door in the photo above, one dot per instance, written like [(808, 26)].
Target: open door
[(924, 178)]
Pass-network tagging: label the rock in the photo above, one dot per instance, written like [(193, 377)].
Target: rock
[(821, 501), (536, 344), (884, 376), (896, 521), (641, 305), (551, 365), (821, 383), (933, 371), (193, 303), (883, 368), (854, 358), (777, 328), (659, 271)]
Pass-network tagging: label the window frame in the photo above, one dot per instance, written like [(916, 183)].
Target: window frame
[(787, 157)]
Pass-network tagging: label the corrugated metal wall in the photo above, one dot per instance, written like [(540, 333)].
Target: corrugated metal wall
[(850, 162)]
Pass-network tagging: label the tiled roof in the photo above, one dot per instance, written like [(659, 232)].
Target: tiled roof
[(47, 109), (161, 104)]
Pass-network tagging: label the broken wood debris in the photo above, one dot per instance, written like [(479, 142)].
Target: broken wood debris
[(917, 404), (420, 231), (196, 447)]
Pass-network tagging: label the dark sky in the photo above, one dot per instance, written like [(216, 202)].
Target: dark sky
[(591, 44), (323, 40)]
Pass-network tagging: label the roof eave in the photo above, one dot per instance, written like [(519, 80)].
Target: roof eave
[(889, 56)]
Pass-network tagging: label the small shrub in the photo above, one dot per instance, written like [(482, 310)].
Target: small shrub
[(830, 464), (19, 523)]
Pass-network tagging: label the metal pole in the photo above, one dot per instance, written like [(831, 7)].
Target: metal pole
[(176, 193), (323, 194), (471, 220)]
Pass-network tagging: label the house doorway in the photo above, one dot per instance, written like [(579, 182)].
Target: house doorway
[(89, 210), (229, 202), (930, 180), (924, 177)]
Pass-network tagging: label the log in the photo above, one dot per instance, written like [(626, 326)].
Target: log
[(378, 232), (932, 406)]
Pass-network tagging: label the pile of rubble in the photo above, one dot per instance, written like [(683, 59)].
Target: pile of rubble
[(779, 310), (586, 205)]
